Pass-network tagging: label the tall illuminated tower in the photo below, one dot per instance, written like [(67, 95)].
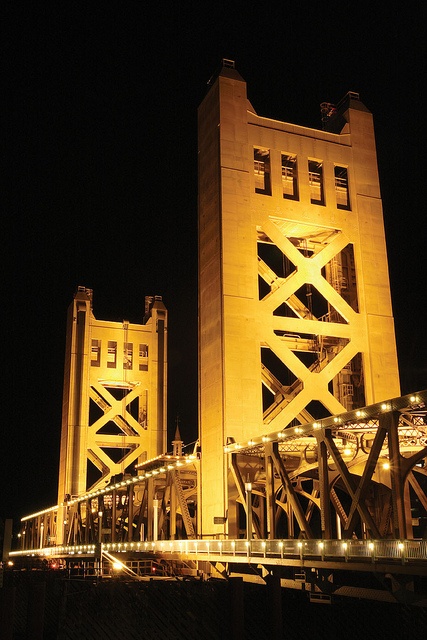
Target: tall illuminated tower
[(295, 317), (114, 403)]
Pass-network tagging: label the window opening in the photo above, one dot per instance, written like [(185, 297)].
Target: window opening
[(112, 354), (262, 171), (289, 176), (95, 359), (341, 188), (127, 355), (143, 357), (315, 178)]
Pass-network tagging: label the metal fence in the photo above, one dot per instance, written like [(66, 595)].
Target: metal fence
[(348, 550)]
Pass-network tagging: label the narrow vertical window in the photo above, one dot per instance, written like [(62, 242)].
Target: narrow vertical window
[(289, 176), (315, 178), (143, 357), (127, 355), (112, 354), (262, 171), (341, 188), (95, 356)]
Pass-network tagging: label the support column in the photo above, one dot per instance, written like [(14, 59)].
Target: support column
[(325, 503), (270, 495), (130, 512), (173, 507), (274, 591), (237, 608), (390, 421), (150, 509), (113, 516)]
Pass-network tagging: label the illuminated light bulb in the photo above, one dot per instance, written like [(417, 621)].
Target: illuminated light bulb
[(321, 545), (347, 452), (299, 544), (400, 545), (265, 439), (358, 414), (371, 546)]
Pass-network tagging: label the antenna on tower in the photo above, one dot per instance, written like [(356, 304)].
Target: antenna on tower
[(327, 109)]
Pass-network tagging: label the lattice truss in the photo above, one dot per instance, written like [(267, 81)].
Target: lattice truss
[(360, 478), (124, 511), (312, 333), (117, 426)]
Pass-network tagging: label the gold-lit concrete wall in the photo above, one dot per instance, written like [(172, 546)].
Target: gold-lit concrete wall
[(353, 342), (115, 389)]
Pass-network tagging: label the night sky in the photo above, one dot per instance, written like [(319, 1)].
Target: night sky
[(100, 158)]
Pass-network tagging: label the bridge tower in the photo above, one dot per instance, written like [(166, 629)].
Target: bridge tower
[(114, 402), (295, 316)]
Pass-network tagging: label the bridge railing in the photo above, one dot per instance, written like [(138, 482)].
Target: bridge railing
[(339, 550), (332, 549)]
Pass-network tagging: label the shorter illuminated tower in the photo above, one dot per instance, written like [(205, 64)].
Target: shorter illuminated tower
[(114, 403)]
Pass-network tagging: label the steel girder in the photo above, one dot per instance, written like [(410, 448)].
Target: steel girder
[(362, 476)]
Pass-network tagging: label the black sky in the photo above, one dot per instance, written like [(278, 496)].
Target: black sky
[(100, 159)]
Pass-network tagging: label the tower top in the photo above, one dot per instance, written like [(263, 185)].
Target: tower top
[(334, 116), (226, 70), (177, 441)]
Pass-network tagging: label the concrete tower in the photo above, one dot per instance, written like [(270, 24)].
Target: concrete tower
[(295, 317), (114, 404)]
